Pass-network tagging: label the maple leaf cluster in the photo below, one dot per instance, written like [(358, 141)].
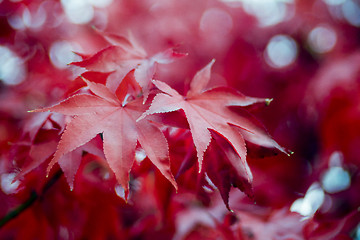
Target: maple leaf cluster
[(127, 120)]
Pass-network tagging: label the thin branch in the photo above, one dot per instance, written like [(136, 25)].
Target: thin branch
[(30, 201), (22, 207)]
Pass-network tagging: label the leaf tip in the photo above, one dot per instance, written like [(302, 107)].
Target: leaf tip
[(71, 183), (268, 101), (173, 182), (38, 110), (200, 168), (211, 63), (126, 198), (84, 79), (51, 164)]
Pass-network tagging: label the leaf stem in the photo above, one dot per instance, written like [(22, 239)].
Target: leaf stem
[(30, 201), (22, 207)]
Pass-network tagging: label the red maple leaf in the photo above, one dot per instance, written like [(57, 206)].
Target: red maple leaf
[(124, 55), (107, 113), (39, 141), (229, 171), (209, 109)]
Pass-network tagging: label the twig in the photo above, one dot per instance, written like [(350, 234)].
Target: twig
[(33, 197)]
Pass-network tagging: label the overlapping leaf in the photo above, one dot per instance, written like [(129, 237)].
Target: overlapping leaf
[(42, 146), (107, 113), (227, 172), (209, 109), (123, 56)]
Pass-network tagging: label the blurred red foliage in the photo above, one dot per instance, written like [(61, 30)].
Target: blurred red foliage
[(303, 54)]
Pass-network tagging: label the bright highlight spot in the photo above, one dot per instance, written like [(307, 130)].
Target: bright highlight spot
[(312, 201), (334, 2), (12, 70), (7, 185), (281, 51), (336, 159), (16, 22), (34, 19), (82, 11), (78, 11), (61, 53), (120, 192), (322, 39), (267, 12), (351, 11), (100, 3), (336, 179), (64, 232), (140, 155), (106, 176), (217, 21), (357, 233), (28, 18)]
